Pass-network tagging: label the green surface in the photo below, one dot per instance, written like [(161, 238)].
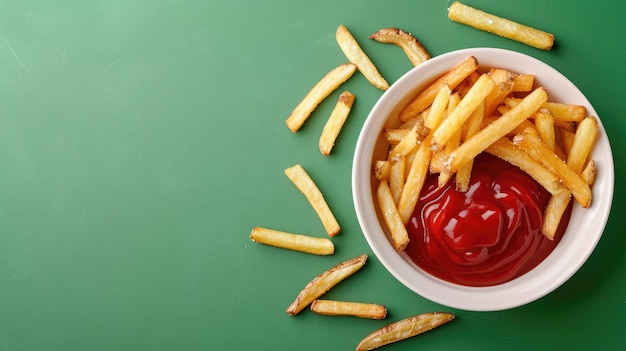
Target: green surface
[(141, 141)]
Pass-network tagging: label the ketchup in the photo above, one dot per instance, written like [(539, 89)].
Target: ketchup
[(487, 235)]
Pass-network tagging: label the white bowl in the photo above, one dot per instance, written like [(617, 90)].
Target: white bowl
[(579, 240)]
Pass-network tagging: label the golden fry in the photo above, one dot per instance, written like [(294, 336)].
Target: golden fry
[(397, 176), (409, 44), (344, 308), (404, 329), (503, 27), (581, 147), (399, 235), (544, 123), (324, 282), (532, 145), (474, 124), (415, 180), (290, 241), (329, 83), (452, 78), (335, 122), (305, 184), (495, 130), (453, 123), (355, 54), (504, 149), (381, 169)]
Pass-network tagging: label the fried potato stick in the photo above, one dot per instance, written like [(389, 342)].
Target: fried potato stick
[(412, 47), (324, 282), (531, 144), (505, 150), (452, 124), (291, 241), (581, 147), (452, 78), (320, 91), (399, 235), (404, 329), (495, 130), (503, 27), (355, 54), (344, 308), (335, 122), (305, 184)]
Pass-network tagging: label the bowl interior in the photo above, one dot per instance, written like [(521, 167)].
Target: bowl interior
[(580, 238)]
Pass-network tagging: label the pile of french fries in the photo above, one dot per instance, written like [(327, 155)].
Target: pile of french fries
[(466, 112), (460, 115)]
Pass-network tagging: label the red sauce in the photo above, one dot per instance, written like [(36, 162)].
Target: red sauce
[(487, 235)]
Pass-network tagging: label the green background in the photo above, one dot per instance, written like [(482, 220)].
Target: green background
[(141, 141)]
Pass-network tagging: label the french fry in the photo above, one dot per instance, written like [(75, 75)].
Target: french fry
[(523, 83), (452, 78), (397, 176), (408, 143), (504, 149), (344, 308), (406, 41), (399, 235), (453, 123), (473, 126), (305, 184), (544, 123), (532, 145), (504, 86), (495, 130), (589, 173), (503, 27), (582, 144), (355, 54), (560, 111), (382, 169), (404, 329), (335, 122), (415, 180), (329, 83), (324, 282), (290, 241), (581, 147)]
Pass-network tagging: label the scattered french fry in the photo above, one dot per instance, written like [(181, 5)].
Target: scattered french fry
[(413, 49), (503, 27), (404, 329), (291, 241), (344, 308), (320, 91), (335, 122), (399, 235), (305, 184), (355, 54), (452, 78), (324, 282)]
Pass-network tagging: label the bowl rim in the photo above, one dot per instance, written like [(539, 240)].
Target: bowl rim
[(558, 267)]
